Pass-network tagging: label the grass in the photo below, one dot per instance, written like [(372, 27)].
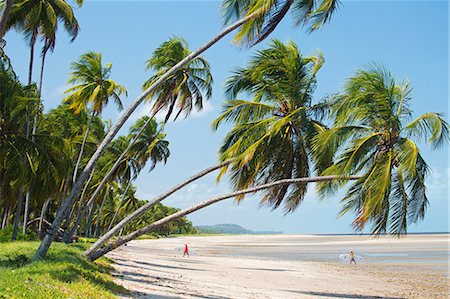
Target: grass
[(65, 273)]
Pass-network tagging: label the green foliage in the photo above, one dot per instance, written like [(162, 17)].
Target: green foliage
[(270, 139), (64, 274), (371, 138), (94, 86), (268, 14), (187, 88), (6, 233)]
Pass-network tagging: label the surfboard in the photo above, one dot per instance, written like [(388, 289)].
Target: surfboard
[(346, 257)]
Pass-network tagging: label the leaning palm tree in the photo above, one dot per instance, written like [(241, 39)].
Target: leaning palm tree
[(277, 125), (150, 145), (271, 136), (94, 88), (316, 15), (374, 138)]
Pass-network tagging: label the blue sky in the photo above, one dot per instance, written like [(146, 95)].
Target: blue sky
[(409, 37)]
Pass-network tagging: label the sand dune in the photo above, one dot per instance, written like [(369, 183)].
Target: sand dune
[(222, 268)]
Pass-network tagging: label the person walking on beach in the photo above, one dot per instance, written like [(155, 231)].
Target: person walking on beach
[(186, 250), (352, 257)]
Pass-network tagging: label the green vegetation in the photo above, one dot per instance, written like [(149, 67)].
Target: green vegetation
[(68, 172), (231, 229), (64, 274)]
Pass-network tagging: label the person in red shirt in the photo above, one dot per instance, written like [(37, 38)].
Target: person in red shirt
[(186, 250)]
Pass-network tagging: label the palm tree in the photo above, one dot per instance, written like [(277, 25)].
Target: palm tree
[(6, 10), (372, 137), (271, 136), (41, 17), (311, 13), (43, 153), (96, 253), (94, 87), (249, 15), (185, 88), (150, 144), (283, 82)]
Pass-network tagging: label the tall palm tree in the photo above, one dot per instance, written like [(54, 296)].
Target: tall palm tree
[(93, 88), (41, 17), (150, 144), (373, 137), (48, 239), (271, 136)]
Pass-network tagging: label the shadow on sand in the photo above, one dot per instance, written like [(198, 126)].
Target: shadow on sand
[(337, 295)]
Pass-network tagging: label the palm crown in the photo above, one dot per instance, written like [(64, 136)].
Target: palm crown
[(372, 137), (94, 85), (43, 16), (271, 136), (186, 88), (313, 13)]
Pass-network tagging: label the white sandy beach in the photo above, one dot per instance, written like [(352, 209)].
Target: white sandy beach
[(244, 267)]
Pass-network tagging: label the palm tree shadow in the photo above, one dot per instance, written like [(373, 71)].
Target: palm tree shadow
[(337, 295)]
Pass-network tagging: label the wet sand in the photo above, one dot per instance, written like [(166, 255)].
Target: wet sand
[(284, 266)]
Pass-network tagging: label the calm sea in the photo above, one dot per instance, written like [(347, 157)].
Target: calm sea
[(425, 251)]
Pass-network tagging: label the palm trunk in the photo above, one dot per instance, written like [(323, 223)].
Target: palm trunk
[(89, 222), (44, 209), (80, 155), (5, 217), (51, 233), (33, 133), (5, 16), (68, 234), (30, 67), (18, 212), (121, 201), (97, 224), (27, 116), (116, 164), (96, 254), (110, 233)]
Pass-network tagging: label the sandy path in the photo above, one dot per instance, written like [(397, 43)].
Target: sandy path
[(153, 269)]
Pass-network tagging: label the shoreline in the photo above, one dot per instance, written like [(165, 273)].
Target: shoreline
[(153, 269)]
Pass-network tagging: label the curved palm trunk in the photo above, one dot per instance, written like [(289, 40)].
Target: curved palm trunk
[(121, 201), (88, 230), (51, 233), (44, 209), (68, 234), (110, 233), (116, 164), (97, 224), (5, 16), (80, 154), (96, 254)]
